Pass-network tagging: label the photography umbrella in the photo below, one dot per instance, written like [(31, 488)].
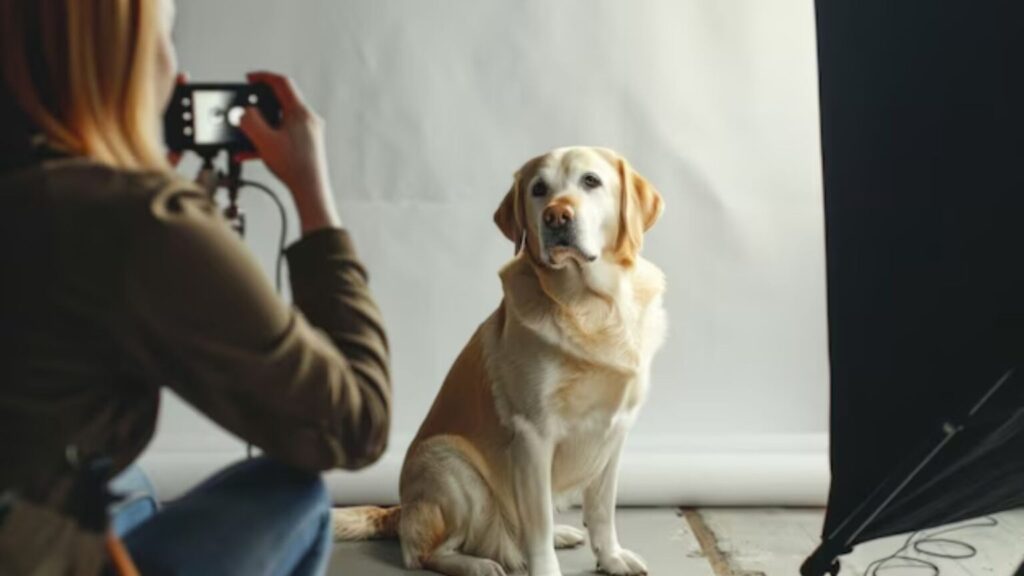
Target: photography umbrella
[(922, 121)]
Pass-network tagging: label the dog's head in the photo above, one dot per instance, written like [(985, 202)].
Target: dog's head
[(579, 205)]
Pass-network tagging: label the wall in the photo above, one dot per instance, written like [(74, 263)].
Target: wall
[(431, 106)]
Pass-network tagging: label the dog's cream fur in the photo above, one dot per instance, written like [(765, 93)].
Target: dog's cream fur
[(538, 404)]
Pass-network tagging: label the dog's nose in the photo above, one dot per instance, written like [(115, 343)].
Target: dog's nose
[(558, 216)]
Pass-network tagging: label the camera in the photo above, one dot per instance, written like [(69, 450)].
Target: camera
[(204, 118)]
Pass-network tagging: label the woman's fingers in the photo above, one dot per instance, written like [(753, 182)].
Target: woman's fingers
[(282, 86), (255, 126), (294, 151)]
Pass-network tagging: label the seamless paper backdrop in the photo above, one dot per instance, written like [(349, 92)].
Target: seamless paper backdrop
[(431, 106)]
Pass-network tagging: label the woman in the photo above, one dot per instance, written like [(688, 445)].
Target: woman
[(120, 279)]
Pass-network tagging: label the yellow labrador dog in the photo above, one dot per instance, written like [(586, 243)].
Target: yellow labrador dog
[(537, 406)]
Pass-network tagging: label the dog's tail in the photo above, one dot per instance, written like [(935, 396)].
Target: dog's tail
[(365, 522)]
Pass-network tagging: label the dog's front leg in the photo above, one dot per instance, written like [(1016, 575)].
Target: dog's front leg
[(599, 518), (531, 464)]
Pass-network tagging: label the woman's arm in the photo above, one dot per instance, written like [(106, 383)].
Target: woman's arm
[(294, 152), (309, 388), (312, 388)]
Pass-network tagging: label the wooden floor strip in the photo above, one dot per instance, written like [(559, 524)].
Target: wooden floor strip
[(708, 543)]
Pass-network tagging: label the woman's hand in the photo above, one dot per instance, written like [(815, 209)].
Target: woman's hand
[(294, 152)]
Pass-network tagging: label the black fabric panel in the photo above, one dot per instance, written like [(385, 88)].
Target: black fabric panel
[(922, 118)]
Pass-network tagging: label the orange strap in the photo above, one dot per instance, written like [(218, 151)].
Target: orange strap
[(119, 556)]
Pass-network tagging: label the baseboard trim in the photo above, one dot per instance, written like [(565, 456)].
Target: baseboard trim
[(763, 470)]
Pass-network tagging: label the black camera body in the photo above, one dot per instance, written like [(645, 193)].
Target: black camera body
[(204, 117)]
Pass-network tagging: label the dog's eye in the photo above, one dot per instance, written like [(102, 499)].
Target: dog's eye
[(590, 181), (539, 188)]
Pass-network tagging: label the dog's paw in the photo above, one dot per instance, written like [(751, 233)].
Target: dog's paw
[(568, 537), (488, 568), (622, 563)]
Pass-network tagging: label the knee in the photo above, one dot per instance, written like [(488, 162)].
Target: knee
[(311, 492), (310, 510), (280, 486), (308, 503), (306, 488), (319, 497), (318, 505)]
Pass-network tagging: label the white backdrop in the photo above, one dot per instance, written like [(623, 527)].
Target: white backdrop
[(431, 106)]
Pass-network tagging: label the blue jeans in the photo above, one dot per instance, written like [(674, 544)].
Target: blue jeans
[(257, 517)]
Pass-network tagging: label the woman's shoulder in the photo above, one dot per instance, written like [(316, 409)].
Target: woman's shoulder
[(78, 206), (92, 181), (78, 181), (82, 187)]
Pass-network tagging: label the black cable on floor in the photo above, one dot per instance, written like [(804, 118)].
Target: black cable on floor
[(921, 545)]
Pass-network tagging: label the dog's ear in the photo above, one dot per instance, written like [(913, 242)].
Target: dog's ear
[(648, 200), (509, 216), (640, 207)]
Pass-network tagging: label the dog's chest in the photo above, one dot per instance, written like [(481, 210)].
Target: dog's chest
[(601, 369), (596, 397), (588, 396), (590, 428), (591, 405)]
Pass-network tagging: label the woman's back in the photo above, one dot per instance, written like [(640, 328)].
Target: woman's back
[(119, 282), (70, 381)]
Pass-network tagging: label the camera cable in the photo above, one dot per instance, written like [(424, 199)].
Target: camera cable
[(935, 545)]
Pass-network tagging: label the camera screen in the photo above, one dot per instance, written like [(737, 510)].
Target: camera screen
[(216, 115)]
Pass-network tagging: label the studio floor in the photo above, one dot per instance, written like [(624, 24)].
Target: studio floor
[(753, 542)]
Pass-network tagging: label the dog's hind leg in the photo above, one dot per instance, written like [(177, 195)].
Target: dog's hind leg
[(426, 543), (422, 531), (450, 520)]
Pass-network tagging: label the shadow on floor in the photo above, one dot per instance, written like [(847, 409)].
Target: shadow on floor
[(659, 535)]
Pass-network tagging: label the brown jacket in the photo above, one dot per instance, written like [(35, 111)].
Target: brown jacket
[(116, 283)]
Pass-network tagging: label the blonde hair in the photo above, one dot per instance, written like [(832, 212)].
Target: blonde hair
[(83, 72)]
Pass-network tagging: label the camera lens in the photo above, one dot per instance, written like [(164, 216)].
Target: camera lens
[(235, 115)]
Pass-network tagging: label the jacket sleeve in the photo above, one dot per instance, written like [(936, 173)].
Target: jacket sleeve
[(309, 387)]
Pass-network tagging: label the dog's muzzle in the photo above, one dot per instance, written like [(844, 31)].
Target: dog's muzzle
[(561, 235)]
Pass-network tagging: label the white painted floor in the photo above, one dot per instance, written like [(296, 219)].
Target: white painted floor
[(749, 542)]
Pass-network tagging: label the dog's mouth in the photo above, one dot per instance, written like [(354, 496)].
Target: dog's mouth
[(561, 252)]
